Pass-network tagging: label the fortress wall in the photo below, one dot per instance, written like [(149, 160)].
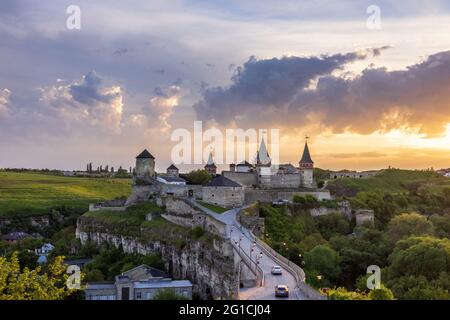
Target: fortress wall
[(245, 179), (280, 181), (252, 196), (224, 196)]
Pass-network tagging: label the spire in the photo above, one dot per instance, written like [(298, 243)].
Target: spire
[(210, 165), (262, 157), (306, 160), (210, 160)]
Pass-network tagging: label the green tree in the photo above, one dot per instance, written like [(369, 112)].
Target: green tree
[(94, 275), (420, 268), (343, 294), (441, 225), (33, 284), (199, 177), (382, 293), (408, 224), (332, 224), (168, 294), (323, 260)]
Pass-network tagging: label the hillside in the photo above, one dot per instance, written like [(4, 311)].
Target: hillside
[(36, 193), (392, 180)]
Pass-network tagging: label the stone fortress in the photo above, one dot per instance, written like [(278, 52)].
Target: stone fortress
[(242, 184)]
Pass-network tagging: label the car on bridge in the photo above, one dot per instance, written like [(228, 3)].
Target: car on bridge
[(282, 290), (276, 270)]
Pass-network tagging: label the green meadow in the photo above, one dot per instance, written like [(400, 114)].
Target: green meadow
[(391, 181), (28, 194)]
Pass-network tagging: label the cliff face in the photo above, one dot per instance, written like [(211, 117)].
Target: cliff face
[(207, 263)]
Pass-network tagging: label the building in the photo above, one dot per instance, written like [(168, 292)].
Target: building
[(267, 175), (243, 183), (45, 249), (14, 237), (223, 192), (210, 165), (306, 166), (173, 171), (364, 217), (140, 283), (352, 174), (170, 179), (145, 168), (244, 166)]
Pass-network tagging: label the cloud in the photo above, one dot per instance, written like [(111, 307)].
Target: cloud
[(87, 102), (4, 101), (157, 112), (278, 92), (261, 89)]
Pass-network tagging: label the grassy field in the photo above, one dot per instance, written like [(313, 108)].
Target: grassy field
[(34, 193), (393, 181), (134, 215)]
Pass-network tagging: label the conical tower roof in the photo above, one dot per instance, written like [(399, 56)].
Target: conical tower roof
[(145, 155), (262, 157), (306, 157), (210, 162)]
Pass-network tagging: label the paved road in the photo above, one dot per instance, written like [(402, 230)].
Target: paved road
[(238, 233)]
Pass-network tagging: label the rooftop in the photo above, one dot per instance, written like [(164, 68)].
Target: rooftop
[(221, 181), (306, 157), (171, 178), (145, 155), (172, 167), (162, 284)]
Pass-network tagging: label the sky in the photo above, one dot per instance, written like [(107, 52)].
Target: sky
[(370, 89)]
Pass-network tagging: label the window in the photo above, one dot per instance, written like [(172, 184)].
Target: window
[(139, 295)]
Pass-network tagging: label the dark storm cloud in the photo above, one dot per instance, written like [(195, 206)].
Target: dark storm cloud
[(382, 99), (276, 92), (270, 84)]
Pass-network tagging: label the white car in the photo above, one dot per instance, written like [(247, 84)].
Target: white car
[(276, 270)]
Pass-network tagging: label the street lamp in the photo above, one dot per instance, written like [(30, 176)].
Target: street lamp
[(258, 258)]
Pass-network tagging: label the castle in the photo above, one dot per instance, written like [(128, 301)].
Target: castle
[(264, 175), (242, 184)]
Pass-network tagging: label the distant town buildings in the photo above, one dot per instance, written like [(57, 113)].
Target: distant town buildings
[(444, 172), (352, 174)]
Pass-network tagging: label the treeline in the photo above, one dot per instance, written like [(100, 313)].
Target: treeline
[(409, 242)]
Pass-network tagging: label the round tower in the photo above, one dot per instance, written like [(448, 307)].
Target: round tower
[(145, 166)]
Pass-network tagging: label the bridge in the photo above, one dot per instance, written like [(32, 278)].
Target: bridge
[(260, 258)]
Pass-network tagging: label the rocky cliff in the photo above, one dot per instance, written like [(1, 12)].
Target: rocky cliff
[(206, 260)]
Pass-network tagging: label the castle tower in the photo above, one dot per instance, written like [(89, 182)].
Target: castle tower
[(145, 167), (306, 166), (262, 157), (210, 165), (173, 171), (263, 166)]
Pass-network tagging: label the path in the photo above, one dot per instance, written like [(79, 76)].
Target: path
[(237, 233)]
